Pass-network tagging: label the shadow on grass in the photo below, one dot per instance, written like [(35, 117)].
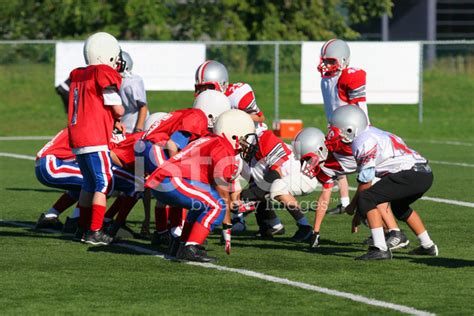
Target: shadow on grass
[(35, 190), (450, 263)]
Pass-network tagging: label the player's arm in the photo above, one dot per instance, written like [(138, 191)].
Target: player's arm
[(140, 97), (142, 113), (258, 118), (322, 207), (115, 159), (177, 142)]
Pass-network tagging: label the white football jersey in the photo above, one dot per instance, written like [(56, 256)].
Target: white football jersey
[(133, 96), (241, 97), (386, 152)]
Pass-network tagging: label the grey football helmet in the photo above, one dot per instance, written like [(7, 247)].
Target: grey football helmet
[(335, 56), (350, 120), (211, 75), (127, 63), (310, 140)]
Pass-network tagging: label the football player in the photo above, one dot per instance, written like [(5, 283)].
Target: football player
[(405, 177), (326, 159), (212, 75), (95, 107), (133, 96), (272, 169), (169, 135), (199, 177), (340, 85)]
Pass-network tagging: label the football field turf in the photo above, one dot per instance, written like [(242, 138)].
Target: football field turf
[(44, 273)]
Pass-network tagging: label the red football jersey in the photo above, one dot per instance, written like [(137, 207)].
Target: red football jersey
[(351, 85), (193, 121), (272, 149), (125, 150), (90, 122), (241, 97), (206, 159), (58, 146)]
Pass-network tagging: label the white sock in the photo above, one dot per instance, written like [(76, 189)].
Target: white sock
[(425, 240), (303, 221), (176, 231), (394, 229), (76, 213), (379, 238), (345, 201), (190, 243)]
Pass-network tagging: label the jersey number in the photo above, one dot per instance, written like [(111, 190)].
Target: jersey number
[(75, 105), (397, 145)]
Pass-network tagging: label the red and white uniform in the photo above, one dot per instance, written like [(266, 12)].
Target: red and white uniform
[(241, 97), (193, 121), (58, 147), (204, 160), (384, 151), (90, 120), (125, 150), (346, 88), (337, 164)]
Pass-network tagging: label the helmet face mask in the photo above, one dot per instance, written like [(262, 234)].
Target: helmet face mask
[(125, 64), (329, 67), (311, 165), (248, 146)]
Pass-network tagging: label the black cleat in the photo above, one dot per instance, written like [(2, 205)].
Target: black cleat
[(48, 222), (339, 209), (79, 235), (375, 253), (268, 232), (97, 237), (162, 239), (174, 246), (420, 251), (70, 225), (195, 253), (303, 233), (396, 239)]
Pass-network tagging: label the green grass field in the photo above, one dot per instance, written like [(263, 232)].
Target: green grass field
[(45, 273)]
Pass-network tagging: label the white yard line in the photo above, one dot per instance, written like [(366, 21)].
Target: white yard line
[(440, 142), (26, 137), (268, 278), (458, 164), (426, 198)]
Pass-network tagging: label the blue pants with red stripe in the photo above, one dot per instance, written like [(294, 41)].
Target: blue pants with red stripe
[(152, 155), (202, 200), (59, 174), (96, 169)]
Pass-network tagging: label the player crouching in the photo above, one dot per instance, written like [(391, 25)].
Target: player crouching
[(199, 178), (405, 177)]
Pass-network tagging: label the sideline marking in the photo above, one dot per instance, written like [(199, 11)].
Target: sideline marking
[(265, 277), (26, 137), (426, 198), (440, 142), (459, 164)]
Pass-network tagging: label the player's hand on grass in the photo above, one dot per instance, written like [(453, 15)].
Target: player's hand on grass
[(355, 223)]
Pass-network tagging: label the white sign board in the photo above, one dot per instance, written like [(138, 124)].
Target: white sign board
[(392, 68), (163, 66)]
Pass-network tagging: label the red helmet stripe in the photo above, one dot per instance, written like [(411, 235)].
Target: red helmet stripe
[(203, 67), (325, 47)]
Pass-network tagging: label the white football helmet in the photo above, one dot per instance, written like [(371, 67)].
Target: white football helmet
[(102, 48), (239, 129), (153, 118), (309, 147), (213, 104), (335, 56), (350, 121), (127, 63), (211, 75)]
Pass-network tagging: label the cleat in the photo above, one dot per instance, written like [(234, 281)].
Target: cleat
[(369, 241), (396, 239), (112, 229), (420, 251), (195, 253), (48, 222), (174, 246), (303, 233), (70, 226), (375, 253), (339, 209), (161, 239), (269, 232), (79, 235), (97, 237)]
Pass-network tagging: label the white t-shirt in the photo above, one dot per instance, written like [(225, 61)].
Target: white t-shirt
[(133, 96)]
